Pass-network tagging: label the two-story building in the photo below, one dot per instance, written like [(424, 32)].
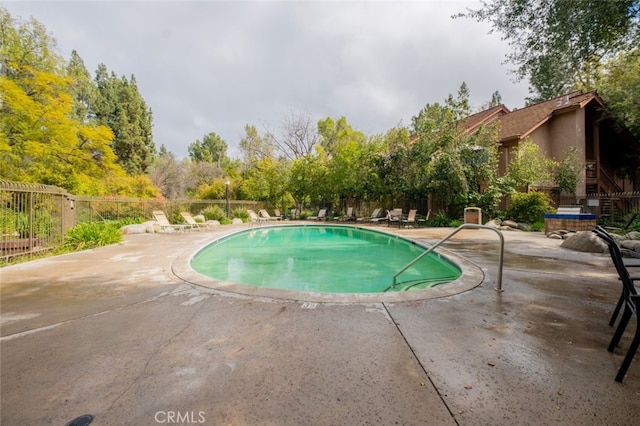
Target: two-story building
[(611, 154)]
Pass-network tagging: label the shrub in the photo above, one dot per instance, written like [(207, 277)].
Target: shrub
[(537, 226), (529, 207), (88, 235), (455, 223), (439, 220), (215, 213), (240, 213)]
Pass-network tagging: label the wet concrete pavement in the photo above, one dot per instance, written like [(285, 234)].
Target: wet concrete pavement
[(113, 332)]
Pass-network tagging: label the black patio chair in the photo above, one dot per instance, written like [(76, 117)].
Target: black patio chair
[(630, 264), (624, 229), (631, 301)]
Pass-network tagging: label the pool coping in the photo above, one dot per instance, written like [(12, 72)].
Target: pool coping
[(472, 276)]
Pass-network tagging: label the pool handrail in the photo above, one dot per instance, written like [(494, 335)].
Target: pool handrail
[(455, 231)]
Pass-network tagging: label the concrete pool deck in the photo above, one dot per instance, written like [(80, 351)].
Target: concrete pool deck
[(114, 333)]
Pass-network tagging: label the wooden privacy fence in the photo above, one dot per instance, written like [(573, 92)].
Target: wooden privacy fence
[(36, 217)]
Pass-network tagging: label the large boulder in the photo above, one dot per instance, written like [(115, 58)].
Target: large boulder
[(495, 223), (585, 241), (510, 224), (138, 229), (630, 248), (633, 235)]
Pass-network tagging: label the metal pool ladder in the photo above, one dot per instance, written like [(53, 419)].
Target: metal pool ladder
[(455, 231)]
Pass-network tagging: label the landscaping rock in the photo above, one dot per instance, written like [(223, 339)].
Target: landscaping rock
[(585, 241), (629, 253), (510, 224), (633, 235), (199, 218), (524, 227), (555, 234), (495, 223), (212, 223), (137, 229), (236, 221), (632, 245)]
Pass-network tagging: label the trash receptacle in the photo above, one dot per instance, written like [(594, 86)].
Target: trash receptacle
[(473, 215)]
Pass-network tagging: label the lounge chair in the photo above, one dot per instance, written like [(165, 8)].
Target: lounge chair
[(277, 213), (374, 216), (164, 223), (349, 215), (192, 222), (631, 301), (253, 217), (394, 215), (410, 220), (265, 214), (322, 215)]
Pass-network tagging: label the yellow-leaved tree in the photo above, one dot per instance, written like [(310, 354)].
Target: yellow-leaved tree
[(42, 140)]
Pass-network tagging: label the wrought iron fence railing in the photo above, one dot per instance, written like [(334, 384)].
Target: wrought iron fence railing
[(35, 217)]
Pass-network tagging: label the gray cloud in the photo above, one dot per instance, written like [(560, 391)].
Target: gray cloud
[(216, 66)]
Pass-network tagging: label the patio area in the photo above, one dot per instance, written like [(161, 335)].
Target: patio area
[(114, 333)]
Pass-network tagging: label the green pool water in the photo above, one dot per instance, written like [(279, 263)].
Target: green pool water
[(333, 259)]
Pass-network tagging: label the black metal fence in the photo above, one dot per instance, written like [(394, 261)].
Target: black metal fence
[(612, 207), (35, 218), (32, 217)]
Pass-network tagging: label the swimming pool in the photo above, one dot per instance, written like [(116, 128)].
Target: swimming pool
[(322, 258)]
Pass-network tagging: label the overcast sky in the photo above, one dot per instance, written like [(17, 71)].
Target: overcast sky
[(213, 66)]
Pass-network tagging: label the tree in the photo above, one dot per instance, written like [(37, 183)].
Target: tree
[(308, 178), (44, 136), (168, 174), (391, 164), (457, 167), (82, 89), (298, 136), (120, 106), (26, 46), (619, 86), (561, 44), (496, 99), (212, 149), (255, 147), (566, 173), (200, 172), (264, 176), (529, 166), (39, 140)]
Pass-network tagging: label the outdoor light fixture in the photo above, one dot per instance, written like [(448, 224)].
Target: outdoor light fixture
[(226, 195)]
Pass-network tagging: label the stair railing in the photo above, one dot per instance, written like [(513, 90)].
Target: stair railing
[(455, 231)]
